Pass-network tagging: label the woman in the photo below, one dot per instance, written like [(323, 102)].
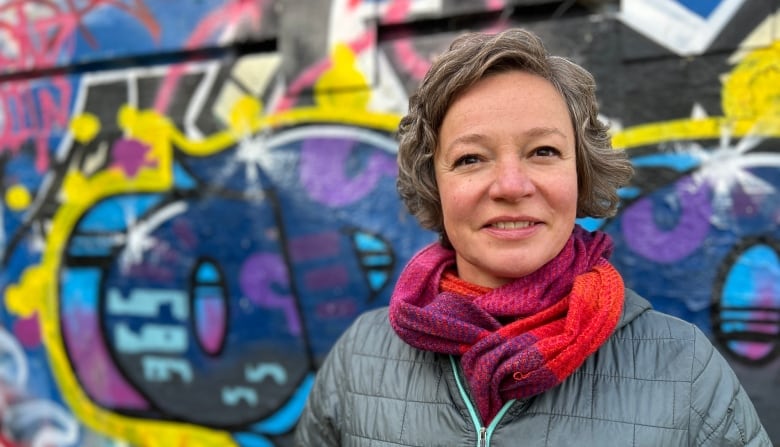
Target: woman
[(515, 329)]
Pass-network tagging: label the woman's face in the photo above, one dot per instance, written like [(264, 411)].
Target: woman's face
[(507, 177)]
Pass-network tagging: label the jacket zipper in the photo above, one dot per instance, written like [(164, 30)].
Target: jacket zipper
[(483, 433)]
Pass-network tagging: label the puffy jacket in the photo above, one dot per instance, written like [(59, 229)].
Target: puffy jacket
[(657, 381)]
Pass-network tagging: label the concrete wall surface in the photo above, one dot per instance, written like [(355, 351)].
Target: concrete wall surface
[(198, 196)]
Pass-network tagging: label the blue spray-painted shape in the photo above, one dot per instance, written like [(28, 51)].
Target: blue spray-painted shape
[(285, 419), (116, 213), (703, 8), (751, 301)]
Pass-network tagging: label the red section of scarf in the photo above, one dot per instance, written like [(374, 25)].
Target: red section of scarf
[(556, 317), (451, 282)]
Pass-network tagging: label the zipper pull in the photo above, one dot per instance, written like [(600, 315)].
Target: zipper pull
[(482, 437)]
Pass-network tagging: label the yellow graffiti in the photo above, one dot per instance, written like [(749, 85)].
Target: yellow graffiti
[(243, 113), (753, 87), (37, 291), (751, 104), (24, 299), (84, 127), (343, 85), (17, 197)]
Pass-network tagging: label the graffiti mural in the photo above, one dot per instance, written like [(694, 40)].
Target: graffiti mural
[(197, 201)]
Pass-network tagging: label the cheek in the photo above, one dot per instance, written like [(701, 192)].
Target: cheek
[(566, 197), (455, 205)]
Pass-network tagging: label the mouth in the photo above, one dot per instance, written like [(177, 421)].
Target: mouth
[(513, 225)]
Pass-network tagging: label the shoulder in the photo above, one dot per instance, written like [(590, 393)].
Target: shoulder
[(368, 329), (642, 376), (376, 371), (372, 319), (371, 338), (647, 337), (676, 366)]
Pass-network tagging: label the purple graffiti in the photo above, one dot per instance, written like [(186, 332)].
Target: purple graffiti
[(323, 171), (185, 233), (211, 322), (156, 273), (95, 368), (327, 277), (257, 277), (314, 246), (337, 308), (130, 156), (28, 331), (644, 237)]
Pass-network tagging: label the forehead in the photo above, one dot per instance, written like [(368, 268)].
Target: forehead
[(511, 102)]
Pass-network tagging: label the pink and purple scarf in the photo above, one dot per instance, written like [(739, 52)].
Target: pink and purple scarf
[(522, 338)]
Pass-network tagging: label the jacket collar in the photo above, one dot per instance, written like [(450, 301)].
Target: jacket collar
[(633, 306)]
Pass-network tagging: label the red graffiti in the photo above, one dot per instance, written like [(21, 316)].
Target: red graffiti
[(226, 19), (38, 34), (33, 111)]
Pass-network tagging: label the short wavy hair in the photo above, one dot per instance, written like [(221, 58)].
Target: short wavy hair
[(471, 57)]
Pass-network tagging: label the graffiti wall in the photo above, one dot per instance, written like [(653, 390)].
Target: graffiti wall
[(199, 196)]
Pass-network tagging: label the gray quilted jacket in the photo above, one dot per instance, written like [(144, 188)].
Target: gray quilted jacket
[(657, 381)]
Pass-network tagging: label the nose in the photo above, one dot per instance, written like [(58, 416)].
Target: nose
[(512, 181)]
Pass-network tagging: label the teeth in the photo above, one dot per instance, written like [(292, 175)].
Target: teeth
[(512, 225)]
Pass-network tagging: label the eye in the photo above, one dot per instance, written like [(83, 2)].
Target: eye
[(547, 151), (468, 159)]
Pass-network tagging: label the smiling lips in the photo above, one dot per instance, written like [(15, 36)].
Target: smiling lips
[(511, 225)]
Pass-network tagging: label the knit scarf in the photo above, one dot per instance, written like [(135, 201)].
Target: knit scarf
[(522, 338)]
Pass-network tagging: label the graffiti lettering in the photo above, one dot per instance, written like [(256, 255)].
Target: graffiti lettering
[(147, 303), (259, 372), (162, 369), (151, 337), (31, 114), (232, 396)]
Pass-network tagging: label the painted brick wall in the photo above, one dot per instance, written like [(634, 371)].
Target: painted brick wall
[(199, 196)]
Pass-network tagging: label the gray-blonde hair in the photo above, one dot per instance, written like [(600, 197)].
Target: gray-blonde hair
[(471, 57)]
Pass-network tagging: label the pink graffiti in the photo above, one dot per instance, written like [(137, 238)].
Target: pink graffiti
[(337, 308), (403, 49), (314, 246), (762, 321), (28, 331), (309, 76), (211, 322), (99, 376), (185, 234), (42, 30), (38, 34), (324, 278), (408, 58), (33, 113), (233, 14), (130, 156)]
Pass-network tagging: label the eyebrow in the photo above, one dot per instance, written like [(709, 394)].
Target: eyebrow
[(533, 132), (543, 131)]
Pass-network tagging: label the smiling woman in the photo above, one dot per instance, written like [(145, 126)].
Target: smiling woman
[(514, 328), (508, 186)]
